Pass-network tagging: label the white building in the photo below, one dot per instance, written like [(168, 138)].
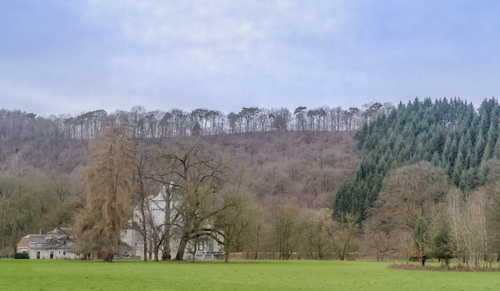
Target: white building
[(207, 247), (53, 245)]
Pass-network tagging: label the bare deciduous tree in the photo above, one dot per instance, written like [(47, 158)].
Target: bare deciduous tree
[(233, 223), (407, 193), (319, 234), (287, 226), (345, 241), (198, 176)]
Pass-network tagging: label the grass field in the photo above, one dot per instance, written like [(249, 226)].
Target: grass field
[(236, 275)]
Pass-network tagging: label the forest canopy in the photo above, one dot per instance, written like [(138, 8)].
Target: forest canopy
[(316, 182), (450, 134)]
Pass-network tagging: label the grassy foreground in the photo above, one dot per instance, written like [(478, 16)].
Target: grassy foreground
[(235, 275)]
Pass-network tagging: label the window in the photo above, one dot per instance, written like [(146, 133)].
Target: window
[(64, 253)]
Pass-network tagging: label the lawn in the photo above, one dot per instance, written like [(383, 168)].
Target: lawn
[(235, 275)]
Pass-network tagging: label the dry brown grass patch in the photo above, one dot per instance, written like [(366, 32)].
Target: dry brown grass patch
[(458, 268)]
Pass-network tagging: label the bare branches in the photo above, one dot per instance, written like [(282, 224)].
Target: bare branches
[(197, 178)]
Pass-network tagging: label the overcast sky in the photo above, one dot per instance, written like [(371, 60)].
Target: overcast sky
[(60, 57)]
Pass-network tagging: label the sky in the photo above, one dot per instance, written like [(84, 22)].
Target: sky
[(68, 57)]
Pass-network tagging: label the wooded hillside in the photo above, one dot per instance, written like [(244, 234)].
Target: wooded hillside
[(40, 168), (450, 134), (426, 159)]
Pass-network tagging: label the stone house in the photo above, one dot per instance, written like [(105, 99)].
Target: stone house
[(53, 245)]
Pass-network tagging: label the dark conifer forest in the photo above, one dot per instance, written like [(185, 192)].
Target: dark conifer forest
[(450, 134)]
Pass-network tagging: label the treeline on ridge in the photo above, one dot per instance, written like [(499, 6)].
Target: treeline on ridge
[(177, 122), (60, 142)]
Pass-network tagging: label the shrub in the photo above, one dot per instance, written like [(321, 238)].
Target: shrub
[(21, 256)]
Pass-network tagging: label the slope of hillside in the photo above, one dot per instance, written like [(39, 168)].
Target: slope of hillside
[(450, 134), (308, 167), (39, 174)]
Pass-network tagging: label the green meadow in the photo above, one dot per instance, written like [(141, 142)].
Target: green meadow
[(235, 275)]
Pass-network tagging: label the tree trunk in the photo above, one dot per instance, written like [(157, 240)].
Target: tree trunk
[(226, 257), (257, 246), (165, 255), (181, 249), (144, 203), (166, 241), (194, 252), (108, 258), (150, 250), (423, 263), (156, 253), (145, 249)]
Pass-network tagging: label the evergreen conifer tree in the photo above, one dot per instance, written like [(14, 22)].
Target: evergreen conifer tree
[(421, 240), (441, 245)]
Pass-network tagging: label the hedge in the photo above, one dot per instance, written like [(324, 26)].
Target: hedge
[(21, 256)]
